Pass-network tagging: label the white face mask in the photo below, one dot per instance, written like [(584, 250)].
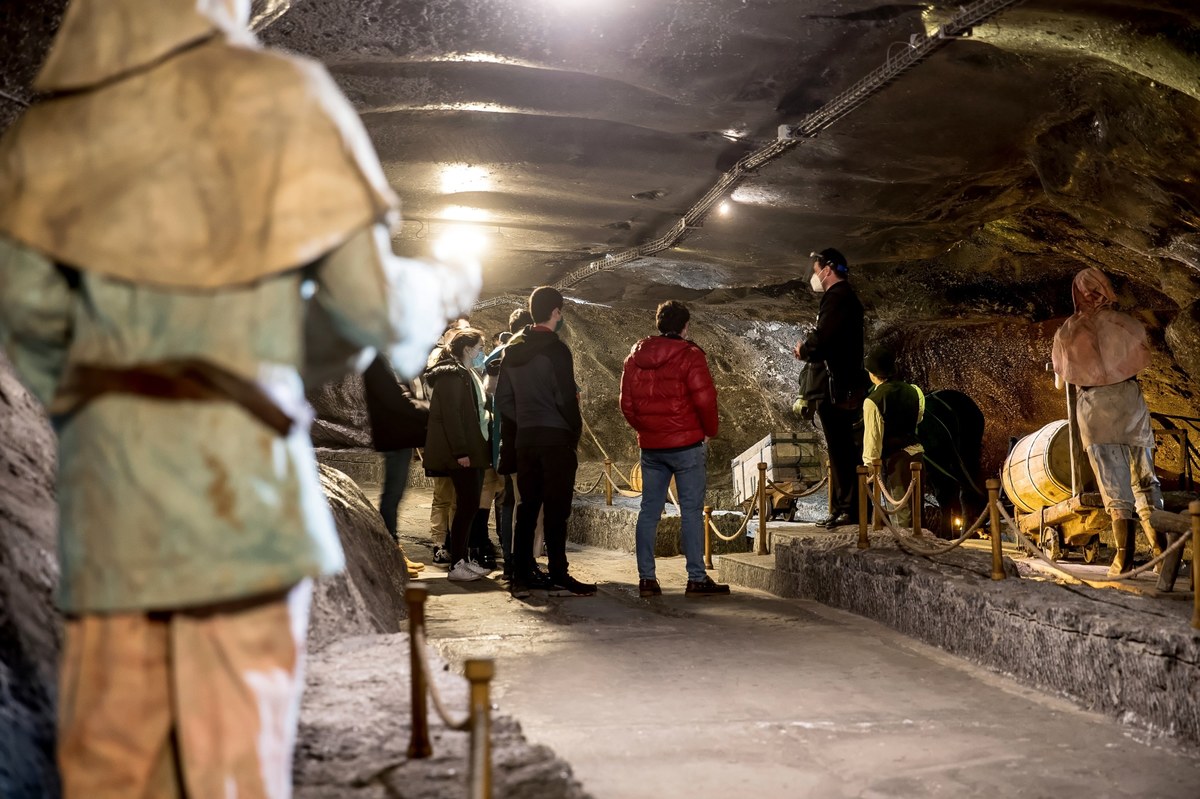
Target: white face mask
[(815, 282)]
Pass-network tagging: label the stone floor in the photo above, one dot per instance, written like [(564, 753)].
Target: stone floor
[(753, 695)]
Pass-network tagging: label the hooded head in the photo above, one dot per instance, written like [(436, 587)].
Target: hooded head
[(100, 40), (1092, 291)]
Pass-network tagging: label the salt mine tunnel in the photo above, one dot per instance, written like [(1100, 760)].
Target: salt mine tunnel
[(637, 151)]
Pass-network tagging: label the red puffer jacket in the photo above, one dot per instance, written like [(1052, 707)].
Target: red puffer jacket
[(667, 393)]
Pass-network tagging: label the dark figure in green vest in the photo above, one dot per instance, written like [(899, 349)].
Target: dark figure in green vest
[(891, 413)]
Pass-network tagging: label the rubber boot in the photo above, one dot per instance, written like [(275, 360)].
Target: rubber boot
[(1124, 536), (1158, 542)]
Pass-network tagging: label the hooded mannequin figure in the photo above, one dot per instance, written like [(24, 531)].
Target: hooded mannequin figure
[(189, 223), (1101, 350)]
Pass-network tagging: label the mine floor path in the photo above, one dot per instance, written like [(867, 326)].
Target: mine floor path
[(755, 696)]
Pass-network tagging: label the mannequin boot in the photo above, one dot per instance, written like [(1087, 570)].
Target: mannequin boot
[(1124, 536), (1158, 542)]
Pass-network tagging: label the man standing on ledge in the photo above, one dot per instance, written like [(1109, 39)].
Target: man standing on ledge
[(668, 397), (834, 351), (537, 392)]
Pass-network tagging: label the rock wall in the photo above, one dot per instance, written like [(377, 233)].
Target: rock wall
[(29, 624)]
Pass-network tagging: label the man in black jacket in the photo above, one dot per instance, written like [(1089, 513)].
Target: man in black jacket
[(398, 423), (537, 392), (834, 352)]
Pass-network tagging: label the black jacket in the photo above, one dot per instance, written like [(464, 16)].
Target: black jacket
[(537, 390), (454, 427), (398, 419), (837, 343)]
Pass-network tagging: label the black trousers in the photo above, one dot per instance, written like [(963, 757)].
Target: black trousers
[(546, 483), (843, 439), (468, 485)]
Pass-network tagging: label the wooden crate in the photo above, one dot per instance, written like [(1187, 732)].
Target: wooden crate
[(790, 458)]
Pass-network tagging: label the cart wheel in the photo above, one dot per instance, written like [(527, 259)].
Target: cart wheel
[(789, 515), (1052, 543), (1091, 550)]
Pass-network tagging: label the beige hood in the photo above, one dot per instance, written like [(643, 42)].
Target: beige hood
[(100, 40), (1098, 346), (217, 165)]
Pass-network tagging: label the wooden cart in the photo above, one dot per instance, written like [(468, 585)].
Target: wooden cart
[(794, 462)]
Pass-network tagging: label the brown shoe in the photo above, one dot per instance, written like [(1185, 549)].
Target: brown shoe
[(648, 588), (705, 587)]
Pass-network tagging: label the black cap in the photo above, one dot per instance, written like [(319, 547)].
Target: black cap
[(881, 362), (832, 258)]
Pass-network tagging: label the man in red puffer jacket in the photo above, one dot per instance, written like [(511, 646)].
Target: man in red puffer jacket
[(668, 397)]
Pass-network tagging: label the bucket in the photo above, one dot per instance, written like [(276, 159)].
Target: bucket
[(1037, 473)]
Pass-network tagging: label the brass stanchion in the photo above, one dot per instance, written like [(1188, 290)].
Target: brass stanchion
[(608, 481), (864, 542), (479, 766), (918, 498), (708, 536), (877, 496), (993, 489), (1195, 511), (418, 744), (760, 543)]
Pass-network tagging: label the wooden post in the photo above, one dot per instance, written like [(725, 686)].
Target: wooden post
[(918, 497), (877, 495), (1195, 511), (608, 481), (993, 489), (479, 765), (760, 542), (708, 536), (864, 542), (418, 743)]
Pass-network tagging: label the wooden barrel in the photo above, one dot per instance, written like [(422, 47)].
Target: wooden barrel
[(635, 480), (1037, 473)]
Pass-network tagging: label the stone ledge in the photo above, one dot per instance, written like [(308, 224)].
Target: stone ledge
[(1129, 657), (613, 526)]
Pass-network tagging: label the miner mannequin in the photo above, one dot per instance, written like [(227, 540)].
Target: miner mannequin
[(1101, 350), (177, 215)]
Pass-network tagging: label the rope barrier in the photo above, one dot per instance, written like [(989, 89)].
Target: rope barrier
[(610, 462), (919, 48), (896, 503), (1126, 577), (808, 492), (593, 486), (478, 718)]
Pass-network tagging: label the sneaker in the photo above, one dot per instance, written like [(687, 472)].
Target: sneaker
[(518, 589), (463, 573), (441, 555), (649, 588), (569, 586), (705, 587), (539, 579), (478, 568)]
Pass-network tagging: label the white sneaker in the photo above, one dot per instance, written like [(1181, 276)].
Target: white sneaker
[(475, 566), (463, 573)]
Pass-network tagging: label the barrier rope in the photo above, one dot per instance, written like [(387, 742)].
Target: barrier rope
[(808, 492), (593, 486), (587, 427), (740, 531), (1124, 577), (461, 725), (886, 495)]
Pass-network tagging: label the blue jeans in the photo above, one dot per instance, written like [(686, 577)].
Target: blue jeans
[(687, 466), (395, 480)]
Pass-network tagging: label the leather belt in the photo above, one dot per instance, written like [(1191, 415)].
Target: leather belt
[(185, 379)]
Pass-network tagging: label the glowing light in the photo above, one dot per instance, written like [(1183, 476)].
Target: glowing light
[(958, 522), (724, 208), (457, 178), (460, 243), (464, 213)]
